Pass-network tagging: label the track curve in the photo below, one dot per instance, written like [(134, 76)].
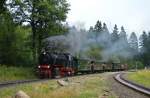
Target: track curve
[(132, 85)]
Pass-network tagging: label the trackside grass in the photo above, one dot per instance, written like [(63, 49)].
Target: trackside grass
[(141, 77), (16, 73), (88, 86)]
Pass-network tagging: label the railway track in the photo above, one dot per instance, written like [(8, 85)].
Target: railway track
[(13, 83), (134, 86), (82, 72)]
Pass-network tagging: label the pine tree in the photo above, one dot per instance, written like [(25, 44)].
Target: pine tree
[(143, 42), (105, 36), (105, 29), (114, 35), (123, 35), (98, 27), (144, 48), (148, 42), (123, 38), (148, 49), (91, 29), (133, 41)]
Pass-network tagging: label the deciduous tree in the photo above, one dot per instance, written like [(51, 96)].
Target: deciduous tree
[(44, 16)]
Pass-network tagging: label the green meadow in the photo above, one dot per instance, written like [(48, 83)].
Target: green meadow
[(140, 77), (88, 86), (16, 73)]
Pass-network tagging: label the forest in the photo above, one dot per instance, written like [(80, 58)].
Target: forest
[(24, 24)]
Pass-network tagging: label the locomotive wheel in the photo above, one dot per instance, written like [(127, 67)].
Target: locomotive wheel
[(57, 73), (41, 76)]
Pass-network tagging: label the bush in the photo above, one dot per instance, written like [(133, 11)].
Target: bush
[(9, 73)]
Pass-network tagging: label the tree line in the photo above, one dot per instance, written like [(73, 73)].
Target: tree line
[(130, 49)]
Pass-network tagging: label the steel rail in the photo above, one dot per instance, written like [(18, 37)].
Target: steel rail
[(119, 77), (13, 83)]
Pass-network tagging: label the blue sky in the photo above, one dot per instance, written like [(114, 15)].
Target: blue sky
[(134, 15)]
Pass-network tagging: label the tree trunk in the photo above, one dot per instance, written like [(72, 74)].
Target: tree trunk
[(33, 41)]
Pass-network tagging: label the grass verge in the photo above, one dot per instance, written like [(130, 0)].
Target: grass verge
[(141, 77), (16, 73), (89, 86)]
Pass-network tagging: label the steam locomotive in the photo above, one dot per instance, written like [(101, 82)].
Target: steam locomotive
[(55, 65), (52, 65)]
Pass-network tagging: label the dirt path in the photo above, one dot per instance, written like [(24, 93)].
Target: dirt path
[(122, 91)]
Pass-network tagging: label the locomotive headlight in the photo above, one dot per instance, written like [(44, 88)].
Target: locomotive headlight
[(39, 66), (48, 67)]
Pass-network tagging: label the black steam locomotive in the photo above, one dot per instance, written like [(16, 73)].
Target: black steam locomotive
[(53, 65)]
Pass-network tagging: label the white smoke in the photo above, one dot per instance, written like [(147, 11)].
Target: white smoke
[(78, 41)]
